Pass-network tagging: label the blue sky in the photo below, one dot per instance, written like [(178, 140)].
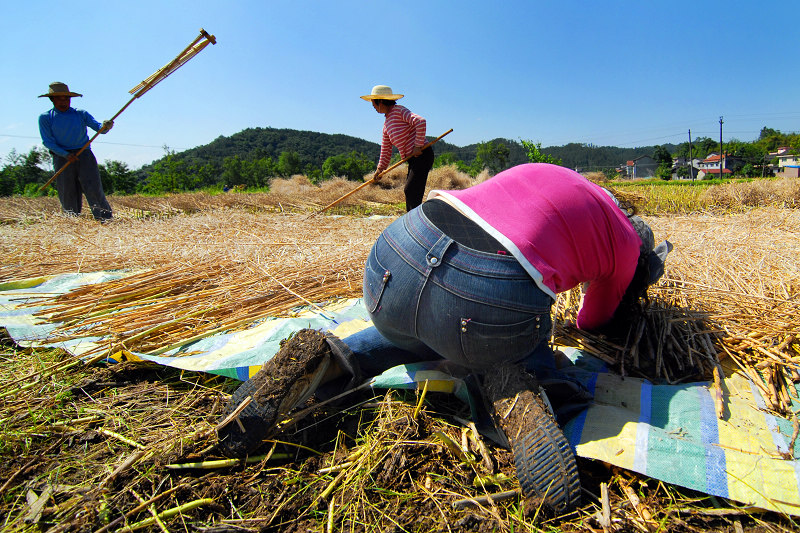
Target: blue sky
[(613, 73)]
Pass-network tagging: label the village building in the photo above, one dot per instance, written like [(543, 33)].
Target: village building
[(642, 167), (788, 165), (716, 165)]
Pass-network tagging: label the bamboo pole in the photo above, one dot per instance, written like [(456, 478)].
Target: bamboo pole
[(189, 52)]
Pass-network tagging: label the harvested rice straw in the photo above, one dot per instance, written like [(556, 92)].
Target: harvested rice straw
[(718, 398), (734, 276), (644, 513), (169, 513), (197, 300)]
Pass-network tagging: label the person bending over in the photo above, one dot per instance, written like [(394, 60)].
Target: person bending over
[(470, 277)]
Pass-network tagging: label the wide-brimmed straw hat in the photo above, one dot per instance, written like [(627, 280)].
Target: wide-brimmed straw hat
[(382, 92), (58, 88)]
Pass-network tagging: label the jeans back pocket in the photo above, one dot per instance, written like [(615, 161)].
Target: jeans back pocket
[(487, 345), (375, 279)]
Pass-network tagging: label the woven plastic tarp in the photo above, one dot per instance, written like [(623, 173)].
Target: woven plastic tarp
[(666, 432)]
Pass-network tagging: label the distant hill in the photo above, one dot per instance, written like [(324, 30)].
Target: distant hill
[(314, 148), (256, 143), (589, 157)]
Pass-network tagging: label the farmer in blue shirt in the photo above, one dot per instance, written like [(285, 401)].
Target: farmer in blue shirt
[(63, 131)]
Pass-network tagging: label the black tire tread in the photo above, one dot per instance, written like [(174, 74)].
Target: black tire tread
[(546, 466), (544, 461)]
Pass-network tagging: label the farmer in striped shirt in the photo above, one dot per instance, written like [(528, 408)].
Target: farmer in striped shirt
[(406, 131)]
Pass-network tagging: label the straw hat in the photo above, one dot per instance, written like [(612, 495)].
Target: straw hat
[(382, 92), (58, 88)]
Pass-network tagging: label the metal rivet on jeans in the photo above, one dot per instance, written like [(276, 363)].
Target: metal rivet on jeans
[(386, 275)]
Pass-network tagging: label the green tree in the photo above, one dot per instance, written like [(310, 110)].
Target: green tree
[(289, 163), (752, 156), (259, 172), (313, 173), (683, 172), (208, 174), (706, 146), (352, 166), (664, 160), (472, 170), (9, 174), (662, 156), (492, 155), (24, 173), (170, 174), (771, 139), (700, 148), (664, 172), (535, 155), (750, 171), (117, 178), (233, 171), (447, 158)]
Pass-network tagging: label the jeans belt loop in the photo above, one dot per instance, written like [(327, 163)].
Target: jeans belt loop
[(437, 251)]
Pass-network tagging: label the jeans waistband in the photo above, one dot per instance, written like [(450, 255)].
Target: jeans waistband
[(441, 249)]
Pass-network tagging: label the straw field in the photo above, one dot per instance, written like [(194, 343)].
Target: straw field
[(96, 447)]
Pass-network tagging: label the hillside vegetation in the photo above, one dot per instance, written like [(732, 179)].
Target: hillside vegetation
[(253, 158)]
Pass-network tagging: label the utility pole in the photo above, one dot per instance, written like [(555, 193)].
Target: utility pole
[(691, 162), (721, 160)]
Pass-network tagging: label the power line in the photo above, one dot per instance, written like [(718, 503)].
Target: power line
[(97, 142)]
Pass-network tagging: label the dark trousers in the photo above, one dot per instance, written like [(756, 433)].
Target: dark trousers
[(418, 168), (81, 178)]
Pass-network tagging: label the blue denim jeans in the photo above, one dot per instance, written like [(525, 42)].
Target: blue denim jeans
[(431, 297)]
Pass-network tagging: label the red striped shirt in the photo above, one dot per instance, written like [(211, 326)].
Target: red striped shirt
[(402, 129)]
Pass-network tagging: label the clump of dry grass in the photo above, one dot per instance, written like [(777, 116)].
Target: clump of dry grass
[(782, 193), (596, 177), (165, 308), (25, 210), (299, 186), (737, 275), (482, 176), (448, 177), (389, 188), (62, 244)]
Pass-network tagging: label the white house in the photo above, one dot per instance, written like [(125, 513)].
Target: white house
[(788, 163)]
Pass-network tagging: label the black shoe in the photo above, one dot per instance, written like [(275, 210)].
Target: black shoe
[(544, 461), (283, 383)]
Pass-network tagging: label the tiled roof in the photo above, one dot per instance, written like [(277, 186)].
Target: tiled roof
[(716, 171)]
